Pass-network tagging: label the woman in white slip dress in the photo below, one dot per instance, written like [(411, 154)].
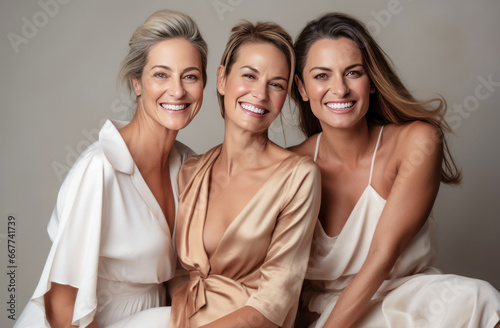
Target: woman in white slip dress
[(382, 157), (113, 225)]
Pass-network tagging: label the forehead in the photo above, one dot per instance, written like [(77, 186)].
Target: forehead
[(173, 52), (262, 54), (334, 52)]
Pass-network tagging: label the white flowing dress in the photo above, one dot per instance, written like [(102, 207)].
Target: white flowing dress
[(110, 239), (414, 294)]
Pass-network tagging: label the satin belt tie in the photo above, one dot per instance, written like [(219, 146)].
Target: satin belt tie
[(196, 292)]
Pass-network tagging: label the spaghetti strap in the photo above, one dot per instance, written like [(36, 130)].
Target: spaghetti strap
[(374, 154), (317, 146)]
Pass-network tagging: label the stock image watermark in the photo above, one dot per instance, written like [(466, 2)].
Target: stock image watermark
[(222, 7), (8, 242), (122, 106), (459, 112), (383, 17), (32, 24)]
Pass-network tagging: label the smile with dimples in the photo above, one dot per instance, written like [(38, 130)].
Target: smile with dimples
[(253, 109)]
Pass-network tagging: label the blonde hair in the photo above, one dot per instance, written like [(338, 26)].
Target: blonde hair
[(261, 32), (161, 25), (391, 102)]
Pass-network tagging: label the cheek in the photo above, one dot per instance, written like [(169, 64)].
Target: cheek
[(196, 92), (279, 100), (316, 91)]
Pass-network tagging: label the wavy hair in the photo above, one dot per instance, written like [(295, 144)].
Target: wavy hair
[(390, 103)]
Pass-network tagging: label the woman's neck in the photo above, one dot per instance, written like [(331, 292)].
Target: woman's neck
[(242, 149), (347, 145), (149, 143)]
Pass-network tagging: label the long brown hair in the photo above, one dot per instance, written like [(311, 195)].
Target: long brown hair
[(390, 103)]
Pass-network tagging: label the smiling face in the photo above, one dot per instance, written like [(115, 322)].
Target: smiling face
[(335, 83), (170, 90), (256, 87)]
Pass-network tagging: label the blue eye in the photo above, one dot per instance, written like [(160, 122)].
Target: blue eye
[(160, 75), (277, 86)]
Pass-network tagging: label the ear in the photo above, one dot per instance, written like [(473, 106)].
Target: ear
[(372, 88), (302, 89), (137, 86), (221, 79)]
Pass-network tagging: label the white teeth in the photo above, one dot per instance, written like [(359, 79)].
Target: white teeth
[(174, 107), (340, 105), (253, 109)]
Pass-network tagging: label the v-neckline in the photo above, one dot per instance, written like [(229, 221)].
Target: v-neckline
[(237, 217), (349, 218)]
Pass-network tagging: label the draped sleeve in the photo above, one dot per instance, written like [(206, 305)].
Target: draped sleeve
[(283, 270), (74, 229)]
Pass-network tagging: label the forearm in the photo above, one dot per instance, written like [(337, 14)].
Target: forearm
[(354, 300), (235, 319), (59, 305)]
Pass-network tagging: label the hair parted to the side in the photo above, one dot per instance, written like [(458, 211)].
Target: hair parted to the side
[(260, 32), (390, 103), (162, 25)]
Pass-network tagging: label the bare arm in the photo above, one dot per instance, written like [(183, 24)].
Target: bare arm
[(59, 304), (248, 315), (407, 208)]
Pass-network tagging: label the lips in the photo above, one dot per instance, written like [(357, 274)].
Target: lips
[(174, 107), (253, 108)]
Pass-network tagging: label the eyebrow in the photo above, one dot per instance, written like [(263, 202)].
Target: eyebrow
[(187, 69), (253, 69), (329, 70)]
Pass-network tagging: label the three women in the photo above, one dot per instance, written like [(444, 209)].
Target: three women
[(247, 208)]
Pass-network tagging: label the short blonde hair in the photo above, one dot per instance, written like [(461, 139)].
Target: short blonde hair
[(261, 32), (161, 25)]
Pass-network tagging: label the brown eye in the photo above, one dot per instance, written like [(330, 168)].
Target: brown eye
[(320, 76)]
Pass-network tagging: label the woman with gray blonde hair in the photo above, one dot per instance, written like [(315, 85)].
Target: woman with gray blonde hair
[(113, 224), (247, 207)]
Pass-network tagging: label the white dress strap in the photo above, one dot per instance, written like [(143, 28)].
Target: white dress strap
[(317, 146), (374, 154)]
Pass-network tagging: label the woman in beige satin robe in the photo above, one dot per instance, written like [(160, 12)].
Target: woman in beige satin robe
[(247, 207)]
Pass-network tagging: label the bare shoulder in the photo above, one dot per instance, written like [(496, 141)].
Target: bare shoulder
[(305, 148), (414, 137)]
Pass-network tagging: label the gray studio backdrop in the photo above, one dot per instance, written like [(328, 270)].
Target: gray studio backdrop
[(59, 60)]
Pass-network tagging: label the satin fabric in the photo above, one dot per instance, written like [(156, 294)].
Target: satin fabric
[(261, 258), (110, 238), (415, 294)]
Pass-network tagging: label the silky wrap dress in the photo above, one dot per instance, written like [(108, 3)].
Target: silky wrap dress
[(414, 294), (261, 258), (110, 238)]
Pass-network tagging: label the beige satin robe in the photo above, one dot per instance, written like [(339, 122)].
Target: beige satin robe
[(261, 258)]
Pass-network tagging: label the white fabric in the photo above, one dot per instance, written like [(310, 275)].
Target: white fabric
[(414, 294), (110, 237)]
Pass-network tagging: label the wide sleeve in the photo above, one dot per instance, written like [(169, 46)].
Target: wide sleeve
[(75, 229), (283, 270)]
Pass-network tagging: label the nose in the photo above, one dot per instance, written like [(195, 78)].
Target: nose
[(339, 87), (259, 90), (176, 89)]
